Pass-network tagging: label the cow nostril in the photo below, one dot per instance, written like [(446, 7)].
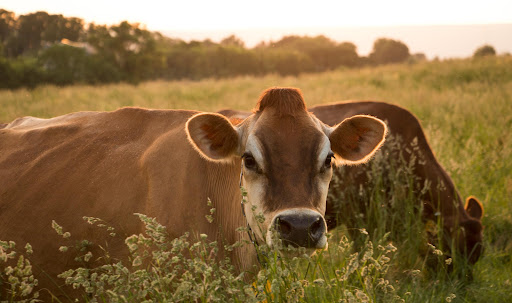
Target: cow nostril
[(316, 229), (284, 227)]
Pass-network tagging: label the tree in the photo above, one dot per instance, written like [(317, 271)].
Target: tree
[(7, 24), (59, 28), (232, 41), (389, 51), (63, 64), (132, 48), (30, 30), (347, 54), (323, 53), (485, 50)]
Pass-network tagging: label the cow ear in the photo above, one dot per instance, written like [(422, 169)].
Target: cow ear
[(213, 136), (474, 207), (356, 139)]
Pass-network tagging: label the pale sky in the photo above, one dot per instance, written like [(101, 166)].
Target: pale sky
[(196, 15)]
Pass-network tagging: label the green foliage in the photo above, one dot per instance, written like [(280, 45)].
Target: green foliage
[(324, 53), (63, 64), (7, 21), (33, 30), (485, 50), (389, 51), (64, 51), (19, 72)]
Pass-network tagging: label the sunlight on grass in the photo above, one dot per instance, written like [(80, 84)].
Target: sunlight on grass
[(465, 109)]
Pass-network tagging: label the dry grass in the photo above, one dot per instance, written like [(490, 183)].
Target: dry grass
[(465, 107)]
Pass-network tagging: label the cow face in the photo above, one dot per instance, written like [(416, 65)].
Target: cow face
[(468, 235), (287, 157), (462, 231)]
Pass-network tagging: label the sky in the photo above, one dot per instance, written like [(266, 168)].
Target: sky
[(190, 15), (268, 19)]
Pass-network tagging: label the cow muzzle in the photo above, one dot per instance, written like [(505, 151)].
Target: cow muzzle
[(301, 228)]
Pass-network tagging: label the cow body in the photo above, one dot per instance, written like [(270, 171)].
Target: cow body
[(442, 204), (167, 164), (108, 165)]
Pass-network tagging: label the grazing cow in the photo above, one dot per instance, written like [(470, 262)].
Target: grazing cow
[(461, 223), (167, 164)]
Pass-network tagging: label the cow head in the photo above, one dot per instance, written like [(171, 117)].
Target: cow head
[(468, 235), (462, 231), (287, 157)]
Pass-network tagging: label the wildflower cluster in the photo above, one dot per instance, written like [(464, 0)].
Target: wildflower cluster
[(17, 282), (163, 269)]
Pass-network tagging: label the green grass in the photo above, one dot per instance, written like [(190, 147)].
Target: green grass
[(465, 107)]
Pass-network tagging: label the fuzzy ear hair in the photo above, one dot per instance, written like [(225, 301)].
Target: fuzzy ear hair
[(213, 136), (474, 207), (356, 139)]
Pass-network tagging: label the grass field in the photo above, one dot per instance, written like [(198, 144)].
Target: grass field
[(465, 107)]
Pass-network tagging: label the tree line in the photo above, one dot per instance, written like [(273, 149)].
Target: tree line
[(42, 48)]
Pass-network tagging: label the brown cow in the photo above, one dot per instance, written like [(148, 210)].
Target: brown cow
[(166, 164), (461, 223)]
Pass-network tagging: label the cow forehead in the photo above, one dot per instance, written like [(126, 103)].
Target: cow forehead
[(287, 136), (290, 151)]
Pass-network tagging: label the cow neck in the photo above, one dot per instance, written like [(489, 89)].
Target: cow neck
[(250, 232)]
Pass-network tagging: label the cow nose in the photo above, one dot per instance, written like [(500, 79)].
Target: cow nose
[(301, 230)]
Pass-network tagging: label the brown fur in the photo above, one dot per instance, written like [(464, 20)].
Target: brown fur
[(285, 101), (109, 165)]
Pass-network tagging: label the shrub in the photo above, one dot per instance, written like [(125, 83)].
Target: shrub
[(389, 51), (19, 72), (483, 51)]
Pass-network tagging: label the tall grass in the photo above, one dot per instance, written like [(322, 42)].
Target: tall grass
[(465, 107), (161, 269)]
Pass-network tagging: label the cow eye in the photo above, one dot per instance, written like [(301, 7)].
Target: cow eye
[(328, 160), (249, 161)]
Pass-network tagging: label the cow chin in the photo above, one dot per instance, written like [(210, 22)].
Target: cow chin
[(297, 228)]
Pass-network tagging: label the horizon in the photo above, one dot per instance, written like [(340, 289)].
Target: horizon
[(438, 33), (466, 36)]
